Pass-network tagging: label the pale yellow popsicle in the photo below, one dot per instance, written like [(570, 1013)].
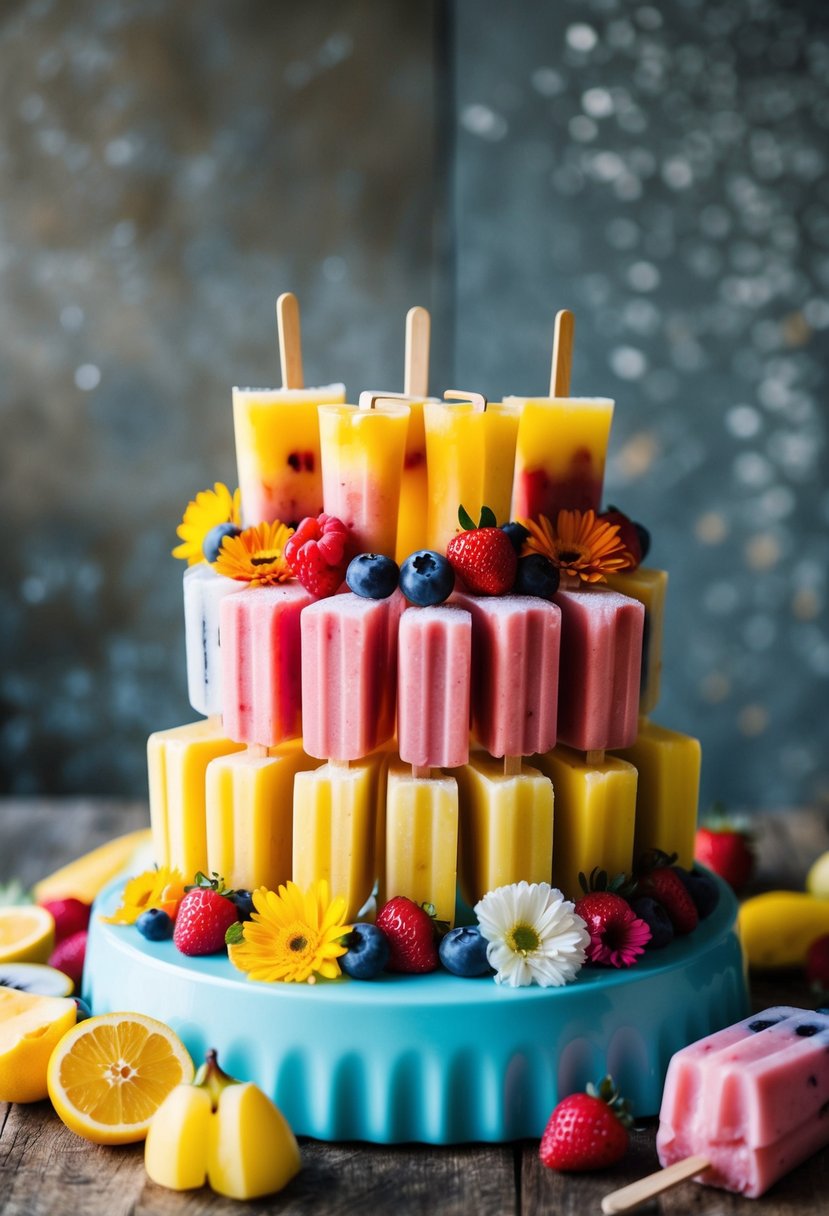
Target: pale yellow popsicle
[(177, 763), (421, 839), (650, 588), (595, 815), (249, 815), (506, 826), (667, 800)]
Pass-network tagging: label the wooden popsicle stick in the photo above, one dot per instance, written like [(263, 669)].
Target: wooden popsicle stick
[(339, 766), (630, 1197), (458, 394), (256, 751), (368, 400), (421, 771), (290, 340), (512, 766), (416, 364), (595, 757), (562, 353)]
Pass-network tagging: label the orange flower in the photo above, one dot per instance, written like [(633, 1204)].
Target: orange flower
[(580, 545), (255, 556)]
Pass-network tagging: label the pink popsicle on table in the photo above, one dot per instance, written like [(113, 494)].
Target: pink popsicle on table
[(435, 651), (515, 663), (261, 663), (601, 661), (349, 674), (750, 1099)]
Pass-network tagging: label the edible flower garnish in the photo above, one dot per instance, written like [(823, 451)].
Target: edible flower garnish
[(293, 935), (162, 888), (580, 545), (256, 556), (207, 509), (534, 935)]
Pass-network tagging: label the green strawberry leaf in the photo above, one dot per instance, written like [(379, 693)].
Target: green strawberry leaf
[(488, 519), (235, 934), (465, 519)]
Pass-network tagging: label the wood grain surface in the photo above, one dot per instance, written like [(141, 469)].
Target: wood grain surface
[(45, 1170)]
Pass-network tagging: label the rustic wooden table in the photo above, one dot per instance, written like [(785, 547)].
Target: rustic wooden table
[(47, 1171)]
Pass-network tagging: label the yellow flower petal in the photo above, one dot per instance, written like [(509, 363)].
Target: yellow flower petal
[(201, 515), (293, 935)]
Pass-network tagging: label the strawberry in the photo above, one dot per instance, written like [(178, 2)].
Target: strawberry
[(664, 885), (70, 916), (617, 935), (318, 553), (412, 935), (727, 850), (204, 916), (483, 556), (633, 536), (587, 1131), (69, 954), (817, 965)]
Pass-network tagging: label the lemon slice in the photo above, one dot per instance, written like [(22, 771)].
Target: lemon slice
[(109, 1075), (30, 1026), (27, 934)]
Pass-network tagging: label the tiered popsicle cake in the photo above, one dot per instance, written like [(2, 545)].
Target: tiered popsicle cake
[(390, 750)]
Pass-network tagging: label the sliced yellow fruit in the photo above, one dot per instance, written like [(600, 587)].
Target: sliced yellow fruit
[(778, 927), (84, 878), (30, 1026), (27, 934), (817, 880), (36, 978), (109, 1075)]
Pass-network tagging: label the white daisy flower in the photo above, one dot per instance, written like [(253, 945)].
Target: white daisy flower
[(534, 935)]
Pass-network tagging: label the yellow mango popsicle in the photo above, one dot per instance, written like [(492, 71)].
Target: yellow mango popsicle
[(560, 454), (650, 588), (421, 839), (506, 826), (470, 457), (667, 800), (177, 761), (595, 815), (362, 465), (334, 829), (249, 814)]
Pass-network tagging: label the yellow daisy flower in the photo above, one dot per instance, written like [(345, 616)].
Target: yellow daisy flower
[(207, 509), (581, 545), (255, 556), (293, 935), (161, 888)]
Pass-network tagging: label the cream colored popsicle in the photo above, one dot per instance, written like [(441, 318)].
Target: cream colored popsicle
[(421, 839), (667, 798), (204, 591), (435, 649), (261, 663)]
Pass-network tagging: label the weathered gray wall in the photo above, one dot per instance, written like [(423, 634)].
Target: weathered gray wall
[(168, 169)]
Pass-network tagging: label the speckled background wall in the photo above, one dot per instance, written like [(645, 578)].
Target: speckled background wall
[(167, 170)]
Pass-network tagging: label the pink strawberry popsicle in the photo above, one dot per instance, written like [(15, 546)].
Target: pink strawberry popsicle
[(261, 664), (349, 674), (515, 661), (435, 650), (601, 661)]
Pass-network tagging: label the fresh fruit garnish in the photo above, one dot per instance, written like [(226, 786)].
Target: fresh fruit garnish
[(224, 1132), (372, 575), (426, 578), (817, 879), (86, 876), (659, 879), (778, 927), (68, 956), (70, 916), (367, 952), (536, 575), (657, 920), (726, 849), (517, 534), (631, 534), (27, 934), (318, 553), (108, 1076), (155, 925), (204, 916), (463, 952), (483, 555), (35, 977), (617, 935), (411, 935), (817, 965), (214, 540), (243, 900), (30, 1027), (587, 1131), (702, 888)]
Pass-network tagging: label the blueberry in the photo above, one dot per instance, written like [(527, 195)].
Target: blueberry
[(463, 951), (702, 888), (367, 954), (212, 543), (155, 925), (244, 903), (372, 575), (83, 1010), (536, 575), (517, 534), (644, 539), (426, 578), (657, 920)]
